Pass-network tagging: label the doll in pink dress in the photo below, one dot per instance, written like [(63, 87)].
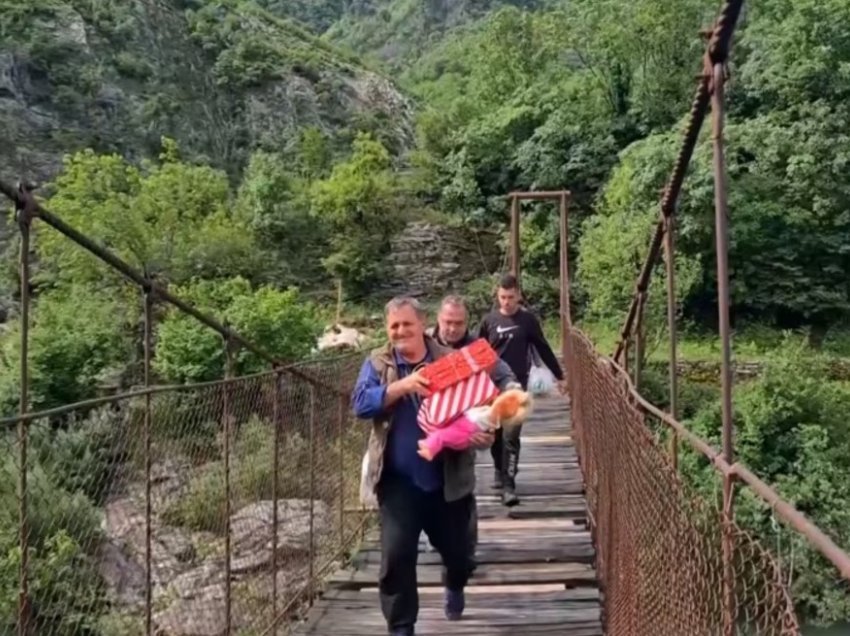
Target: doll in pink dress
[(508, 409)]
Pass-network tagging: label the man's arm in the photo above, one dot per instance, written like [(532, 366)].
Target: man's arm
[(369, 394), (539, 341), (503, 377)]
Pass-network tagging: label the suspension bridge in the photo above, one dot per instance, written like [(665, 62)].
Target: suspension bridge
[(608, 539)]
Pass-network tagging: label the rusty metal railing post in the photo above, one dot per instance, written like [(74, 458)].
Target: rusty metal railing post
[(566, 313), (148, 338), (722, 239), (225, 414), (340, 426), (312, 452), (277, 422), (25, 212), (639, 339), (670, 263), (515, 254)]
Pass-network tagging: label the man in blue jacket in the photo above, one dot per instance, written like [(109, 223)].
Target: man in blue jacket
[(413, 494)]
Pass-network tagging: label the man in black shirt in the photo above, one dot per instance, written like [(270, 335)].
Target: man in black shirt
[(512, 331)]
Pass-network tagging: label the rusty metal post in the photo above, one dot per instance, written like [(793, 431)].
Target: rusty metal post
[(566, 314), (312, 449), (277, 422), (25, 212), (148, 337), (225, 414), (340, 434), (670, 250), (515, 254), (639, 339), (722, 239)]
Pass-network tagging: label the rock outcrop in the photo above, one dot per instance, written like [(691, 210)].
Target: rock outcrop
[(121, 78), (427, 259), (188, 568)]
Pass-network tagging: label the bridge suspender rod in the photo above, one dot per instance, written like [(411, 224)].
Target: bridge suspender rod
[(718, 51)]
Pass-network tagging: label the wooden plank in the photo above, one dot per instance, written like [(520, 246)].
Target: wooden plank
[(574, 574)]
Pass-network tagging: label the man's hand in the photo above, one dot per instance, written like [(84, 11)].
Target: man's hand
[(415, 383), (482, 439)]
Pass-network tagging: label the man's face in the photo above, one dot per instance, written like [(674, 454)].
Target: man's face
[(508, 301), (406, 331), (452, 323)]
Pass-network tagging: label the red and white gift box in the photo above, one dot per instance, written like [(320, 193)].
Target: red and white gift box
[(459, 365), (440, 408)]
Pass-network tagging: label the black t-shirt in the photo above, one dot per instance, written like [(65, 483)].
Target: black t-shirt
[(513, 336)]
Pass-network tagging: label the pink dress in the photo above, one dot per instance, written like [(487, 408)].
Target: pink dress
[(454, 435)]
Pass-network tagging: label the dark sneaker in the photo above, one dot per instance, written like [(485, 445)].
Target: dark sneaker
[(402, 631), (454, 604), (509, 496)]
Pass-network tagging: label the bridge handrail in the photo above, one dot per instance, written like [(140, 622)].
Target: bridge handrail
[(737, 470), (709, 92), (231, 401)]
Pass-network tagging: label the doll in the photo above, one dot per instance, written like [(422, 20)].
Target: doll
[(510, 408)]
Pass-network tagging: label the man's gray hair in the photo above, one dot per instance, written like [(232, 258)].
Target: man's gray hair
[(455, 300), (404, 301)]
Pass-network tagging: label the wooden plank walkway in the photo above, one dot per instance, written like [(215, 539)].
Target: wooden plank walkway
[(535, 561)]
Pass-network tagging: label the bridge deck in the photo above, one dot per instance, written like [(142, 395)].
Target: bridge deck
[(535, 561)]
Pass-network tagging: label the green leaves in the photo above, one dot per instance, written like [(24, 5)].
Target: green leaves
[(790, 429), (359, 201), (174, 220), (279, 321)]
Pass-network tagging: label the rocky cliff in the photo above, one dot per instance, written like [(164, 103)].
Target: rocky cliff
[(429, 259), (223, 77)]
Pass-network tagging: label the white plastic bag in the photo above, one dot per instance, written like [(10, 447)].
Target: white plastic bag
[(368, 499), (541, 381)]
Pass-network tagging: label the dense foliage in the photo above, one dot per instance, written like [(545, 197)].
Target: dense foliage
[(290, 174)]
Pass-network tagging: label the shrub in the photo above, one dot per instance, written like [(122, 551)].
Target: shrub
[(791, 430), (280, 321)]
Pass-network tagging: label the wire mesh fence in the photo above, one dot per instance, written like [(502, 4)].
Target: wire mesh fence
[(220, 513), (660, 545)]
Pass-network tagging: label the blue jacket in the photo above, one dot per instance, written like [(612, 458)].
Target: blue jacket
[(400, 457)]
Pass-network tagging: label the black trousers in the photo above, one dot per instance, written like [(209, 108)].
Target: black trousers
[(406, 511), (505, 451)]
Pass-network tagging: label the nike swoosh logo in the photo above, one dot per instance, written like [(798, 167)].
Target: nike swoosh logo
[(501, 330)]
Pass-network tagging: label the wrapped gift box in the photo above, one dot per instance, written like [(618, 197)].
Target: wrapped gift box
[(459, 365), (440, 408)]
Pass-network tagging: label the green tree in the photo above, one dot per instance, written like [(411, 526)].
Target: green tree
[(279, 321), (78, 338), (173, 219), (615, 241), (275, 202), (359, 201), (790, 430)]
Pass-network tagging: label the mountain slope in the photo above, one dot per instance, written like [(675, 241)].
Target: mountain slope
[(223, 77), (396, 31)]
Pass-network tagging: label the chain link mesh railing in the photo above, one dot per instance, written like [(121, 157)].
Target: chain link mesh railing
[(659, 545), (212, 508), (100, 516)]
